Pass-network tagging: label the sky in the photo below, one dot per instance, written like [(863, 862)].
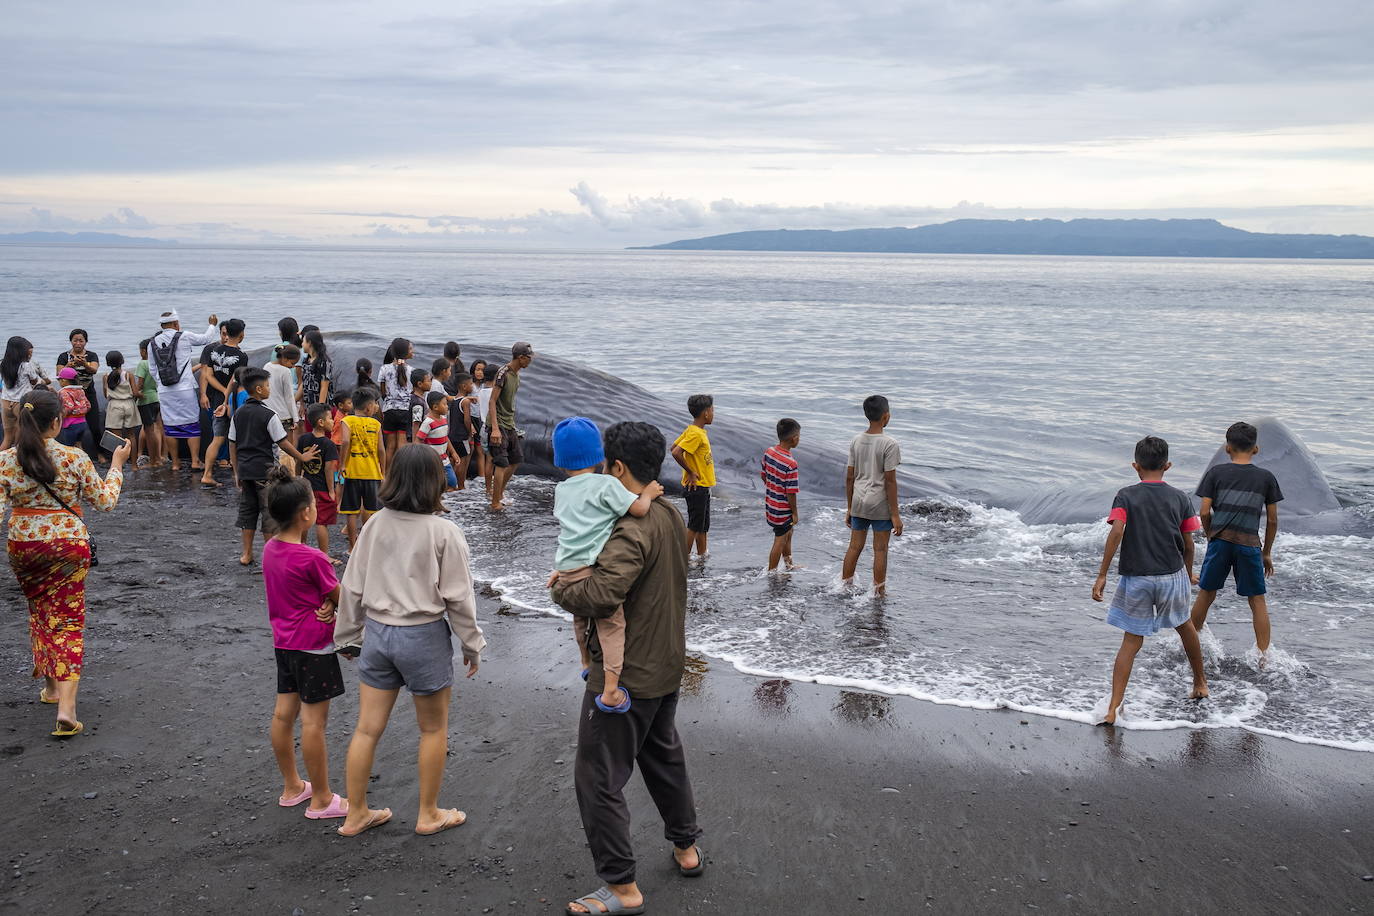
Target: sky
[(607, 123)]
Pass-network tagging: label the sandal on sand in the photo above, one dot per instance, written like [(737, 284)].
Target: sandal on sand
[(377, 819), (622, 708), (43, 696), (338, 807), (67, 729), (691, 872), (453, 818), (306, 794), (610, 903)]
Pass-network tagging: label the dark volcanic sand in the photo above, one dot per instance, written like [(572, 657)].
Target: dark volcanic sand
[(813, 799)]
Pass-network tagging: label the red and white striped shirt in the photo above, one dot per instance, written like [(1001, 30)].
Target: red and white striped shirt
[(434, 433), (780, 480)]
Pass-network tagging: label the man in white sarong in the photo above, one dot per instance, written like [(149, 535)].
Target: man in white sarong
[(180, 401)]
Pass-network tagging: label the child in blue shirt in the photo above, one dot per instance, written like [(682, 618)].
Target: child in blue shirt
[(587, 506)]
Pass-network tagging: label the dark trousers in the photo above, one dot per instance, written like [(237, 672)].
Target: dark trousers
[(95, 426), (608, 746)]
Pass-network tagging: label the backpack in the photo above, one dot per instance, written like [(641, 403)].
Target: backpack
[(165, 361)]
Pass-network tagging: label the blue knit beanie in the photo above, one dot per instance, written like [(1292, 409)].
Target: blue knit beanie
[(577, 444)]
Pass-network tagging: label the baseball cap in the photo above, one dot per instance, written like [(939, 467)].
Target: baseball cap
[(522, 348)]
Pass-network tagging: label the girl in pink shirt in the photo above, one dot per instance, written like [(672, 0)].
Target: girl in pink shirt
[(302, 594)]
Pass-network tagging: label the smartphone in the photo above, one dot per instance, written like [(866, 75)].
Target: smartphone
[(111, 443)]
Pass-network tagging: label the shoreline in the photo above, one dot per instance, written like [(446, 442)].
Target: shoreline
[(813, 797)]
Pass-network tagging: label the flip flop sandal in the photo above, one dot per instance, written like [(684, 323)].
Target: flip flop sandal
[(378, 819), (67, 729), (305, 795), (622, 708), (691, 872), (455, 818), (43, 696), (338, 807), (610, 903)]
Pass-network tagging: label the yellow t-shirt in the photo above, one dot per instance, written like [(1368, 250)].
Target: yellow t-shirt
[(696, 450), (363, 462)]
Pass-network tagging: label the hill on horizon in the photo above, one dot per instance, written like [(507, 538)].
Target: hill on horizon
[(1178, 238)]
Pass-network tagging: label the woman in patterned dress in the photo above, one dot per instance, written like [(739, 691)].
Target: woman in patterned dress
[(49, 545)]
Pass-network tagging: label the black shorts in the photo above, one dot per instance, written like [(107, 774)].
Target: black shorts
[(150, 413), (359, 495), (509, 451), (699, 509), (458, 438), (781, 530), (396, 421), (250, 505), (315, 677)]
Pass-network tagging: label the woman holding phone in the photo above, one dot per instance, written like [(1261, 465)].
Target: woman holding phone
[(44, 484)]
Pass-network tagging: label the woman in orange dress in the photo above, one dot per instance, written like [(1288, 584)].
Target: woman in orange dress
[(44, 484)]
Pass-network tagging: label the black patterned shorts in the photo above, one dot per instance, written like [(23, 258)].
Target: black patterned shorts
[(315, 677)]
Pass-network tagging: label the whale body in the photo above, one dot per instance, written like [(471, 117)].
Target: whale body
[(552, 389), (1308, 505)]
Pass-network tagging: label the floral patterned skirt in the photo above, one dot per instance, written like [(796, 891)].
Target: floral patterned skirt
[(52, 575)]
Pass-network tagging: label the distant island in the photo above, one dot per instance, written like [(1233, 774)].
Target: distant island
[(1166, 238), (78, 238)]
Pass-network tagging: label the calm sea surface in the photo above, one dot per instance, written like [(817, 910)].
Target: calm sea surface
[(1007, 375)]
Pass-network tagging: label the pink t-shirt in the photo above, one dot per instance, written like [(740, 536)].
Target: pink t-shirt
[(296, 578)]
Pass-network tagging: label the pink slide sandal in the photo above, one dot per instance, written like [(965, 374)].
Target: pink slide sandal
[(292, 802), (338, 807)]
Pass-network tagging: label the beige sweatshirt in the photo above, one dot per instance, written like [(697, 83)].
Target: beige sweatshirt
[(409, 569)]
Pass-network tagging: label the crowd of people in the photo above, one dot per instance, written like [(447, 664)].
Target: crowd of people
[(383, 454)]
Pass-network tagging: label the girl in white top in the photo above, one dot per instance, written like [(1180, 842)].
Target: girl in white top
[(18, 376), (407, 591)]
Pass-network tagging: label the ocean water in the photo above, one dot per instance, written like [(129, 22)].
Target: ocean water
[(1008, 376)]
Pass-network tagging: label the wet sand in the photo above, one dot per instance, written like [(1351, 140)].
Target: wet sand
[(813, 799)]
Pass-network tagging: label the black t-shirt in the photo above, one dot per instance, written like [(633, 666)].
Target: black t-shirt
[(224, 361), (1239, 495), (84, 376), (1158, 517), (314, 471)]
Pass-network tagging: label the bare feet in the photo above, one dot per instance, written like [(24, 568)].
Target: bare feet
[(1200, 692), (245, 559), (1110, 717), (365, 819), (448, 818)]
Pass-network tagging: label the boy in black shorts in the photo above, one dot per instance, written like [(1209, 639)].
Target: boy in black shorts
[(361, 450), (253, 432), (1232, 497), (419, 405), (692, 450)]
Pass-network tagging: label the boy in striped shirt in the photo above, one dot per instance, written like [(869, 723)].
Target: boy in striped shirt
[(433, 431), (780, 492)]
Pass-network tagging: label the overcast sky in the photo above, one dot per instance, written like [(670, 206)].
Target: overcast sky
[(610, 123)]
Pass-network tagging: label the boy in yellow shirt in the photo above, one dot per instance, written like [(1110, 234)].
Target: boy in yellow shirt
[(362, 463), (692, 450)]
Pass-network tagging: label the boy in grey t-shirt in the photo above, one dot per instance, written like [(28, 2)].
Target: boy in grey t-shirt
[(870, 488)]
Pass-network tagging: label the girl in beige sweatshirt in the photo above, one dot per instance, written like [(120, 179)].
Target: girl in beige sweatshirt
[(406, 592)]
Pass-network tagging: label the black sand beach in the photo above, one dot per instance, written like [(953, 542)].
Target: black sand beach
[(813, 799)]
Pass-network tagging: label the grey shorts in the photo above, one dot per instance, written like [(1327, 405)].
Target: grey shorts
[(219, 426), (419, 658)]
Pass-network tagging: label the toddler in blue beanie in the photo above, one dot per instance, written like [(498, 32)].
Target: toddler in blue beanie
[(587, 506)]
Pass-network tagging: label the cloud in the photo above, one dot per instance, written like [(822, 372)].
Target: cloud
[(88, 87), (123, 218)]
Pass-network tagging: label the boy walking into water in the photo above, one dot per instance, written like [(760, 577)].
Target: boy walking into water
[(504, 438), (870, 490), (1232, 495), (692, 450), (780, 492), (1153, 524)]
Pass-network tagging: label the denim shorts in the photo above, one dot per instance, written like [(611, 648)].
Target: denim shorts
[(419, 658), (450, 476), (866, 524), (1222, 558)]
